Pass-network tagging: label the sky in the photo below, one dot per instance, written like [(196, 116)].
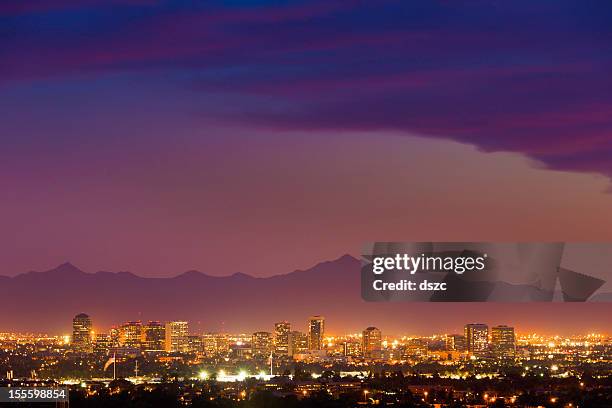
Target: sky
[(262, 137)]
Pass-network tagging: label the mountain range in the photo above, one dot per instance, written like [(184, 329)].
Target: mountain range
[(47, 301)]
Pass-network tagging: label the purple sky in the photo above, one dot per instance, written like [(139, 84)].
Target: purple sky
[(162, 136)]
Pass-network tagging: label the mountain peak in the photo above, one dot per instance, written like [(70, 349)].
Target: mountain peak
[(345, 258), (191, 274), (66, 268), (240, 275)]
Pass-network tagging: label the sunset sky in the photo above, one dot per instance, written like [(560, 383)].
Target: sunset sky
[(262, 137)]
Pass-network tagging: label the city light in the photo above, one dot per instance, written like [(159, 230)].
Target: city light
[(137, 352)]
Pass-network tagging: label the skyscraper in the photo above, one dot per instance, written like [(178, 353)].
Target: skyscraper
[(154, 336), (177, 337), (455, 342), (281, 338), (371, 343), (316, 332), (503, 341), (298, 342), (477, 338), (261, 343), (130, 334), (115, 336), (82, 333)]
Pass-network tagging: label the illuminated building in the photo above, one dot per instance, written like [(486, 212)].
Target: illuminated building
[(102, 342), (215, 344), (352, 348), (281, 338), (392, 354), (316, 332), (177, 334), (371, 342), (477, 338), (115, 336), (82, 333), (261, 343), (130, 334), (455, 342), (503, 341), (416, 348), (209, 343), (241, 350), (298, 342), (194, 343), (154, 336)]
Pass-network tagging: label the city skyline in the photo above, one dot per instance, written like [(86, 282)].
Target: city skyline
[(477, 339), (305, 327), (488, 365)]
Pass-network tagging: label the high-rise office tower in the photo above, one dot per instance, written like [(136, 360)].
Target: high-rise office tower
[(503, 341), (281, 338), (82, 333), (455, 342), (371, 343), (177, 337), (477, 338), (261, 343), (130, 334), (316, 332), (298, 343), (154, 336)]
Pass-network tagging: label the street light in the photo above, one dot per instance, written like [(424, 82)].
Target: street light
[(365, 395)]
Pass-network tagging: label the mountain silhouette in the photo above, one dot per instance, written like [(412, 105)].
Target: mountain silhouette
[(46, 302)]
